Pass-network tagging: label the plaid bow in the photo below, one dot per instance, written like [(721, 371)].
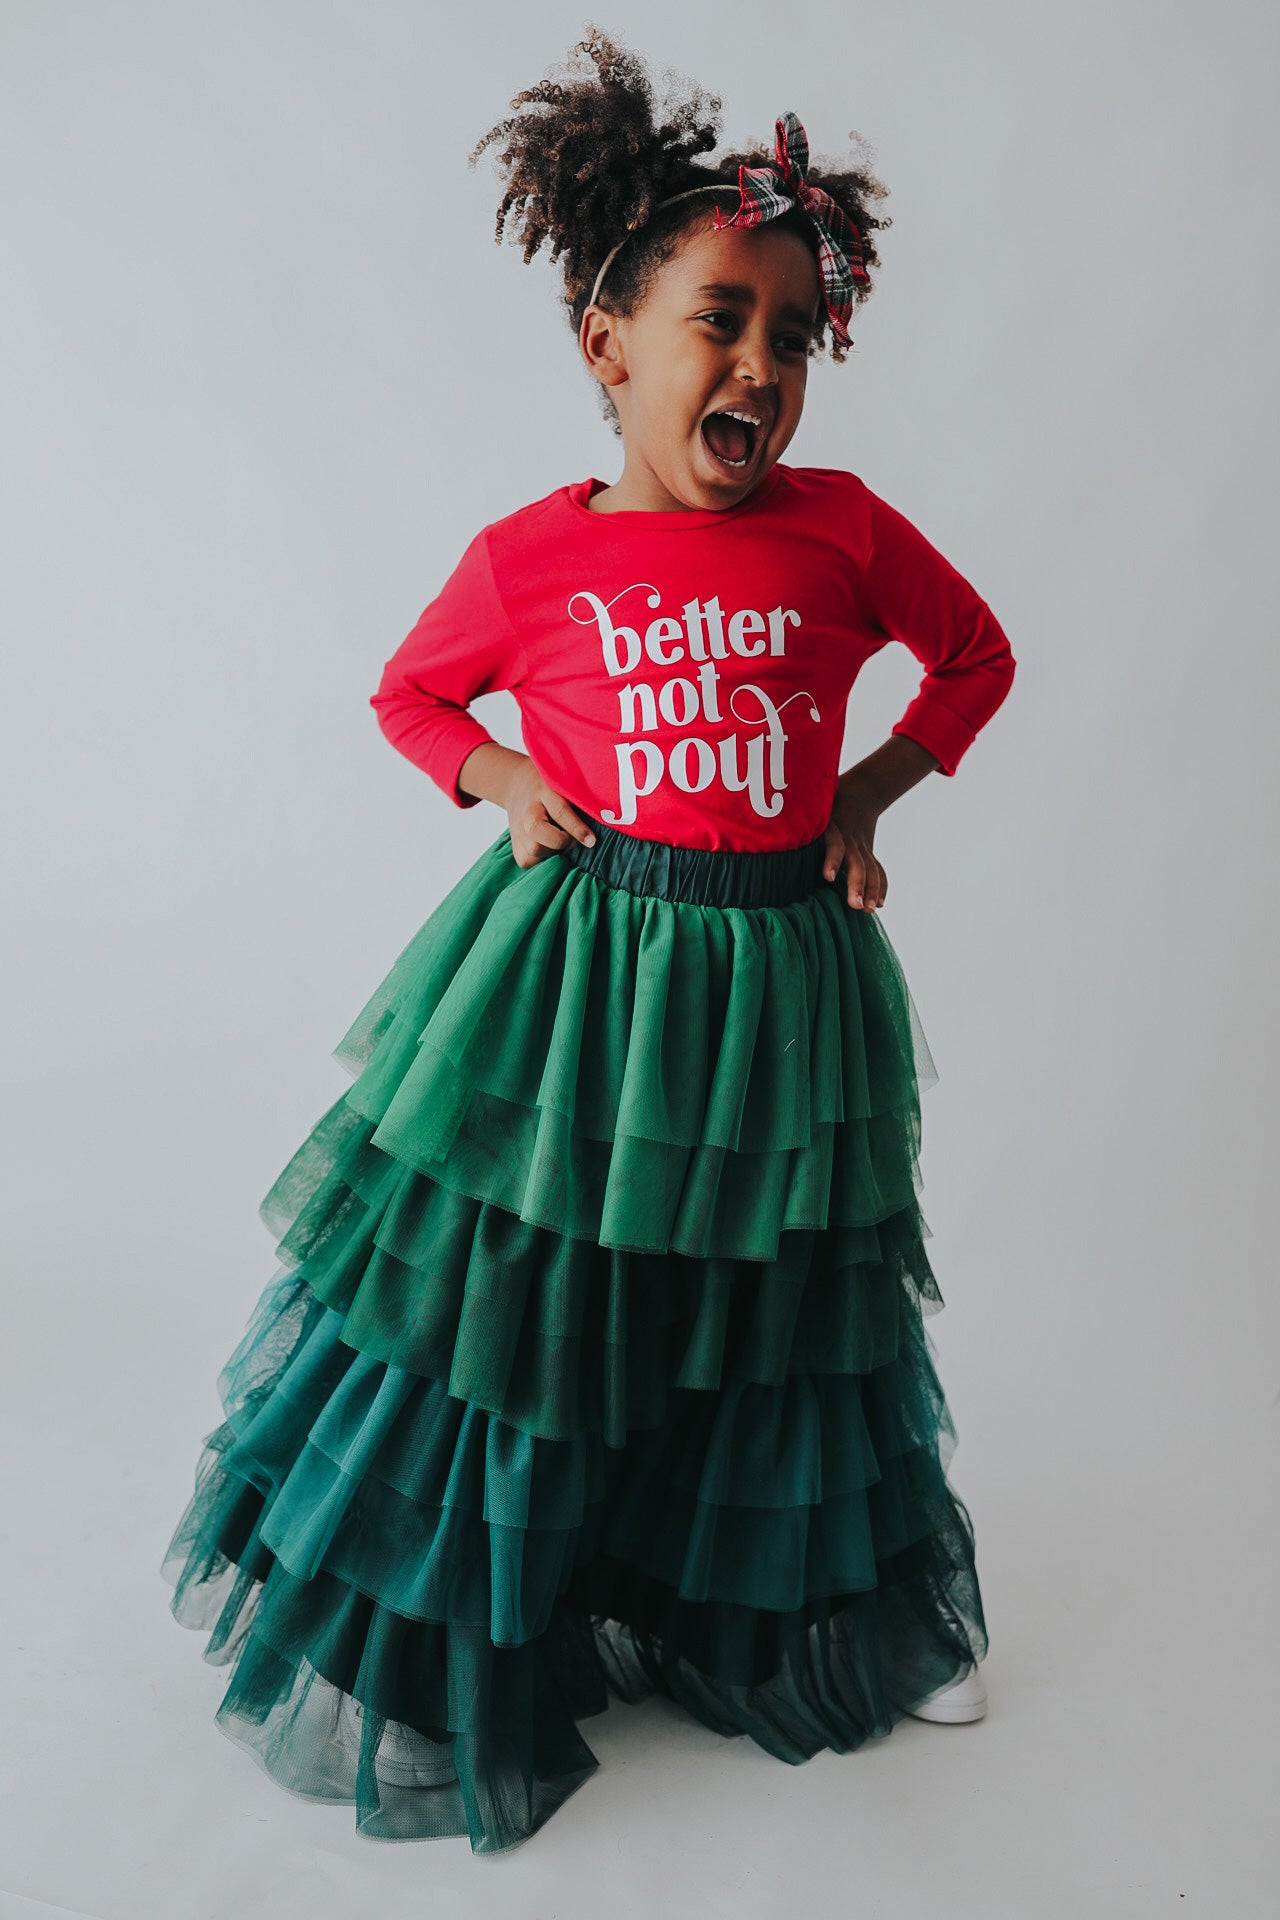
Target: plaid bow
[(769, 190)]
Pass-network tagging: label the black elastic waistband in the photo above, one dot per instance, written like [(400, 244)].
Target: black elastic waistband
[(702, 876)]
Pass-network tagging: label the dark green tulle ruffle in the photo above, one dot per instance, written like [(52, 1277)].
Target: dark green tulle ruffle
[(560, 1335), (595, 1362)]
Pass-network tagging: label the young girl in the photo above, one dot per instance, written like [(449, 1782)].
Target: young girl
[(596, 1361)]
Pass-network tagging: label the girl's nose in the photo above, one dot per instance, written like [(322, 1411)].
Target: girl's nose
[(757, 360)]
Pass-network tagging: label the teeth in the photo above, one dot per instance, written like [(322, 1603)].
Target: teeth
[(751, 420)]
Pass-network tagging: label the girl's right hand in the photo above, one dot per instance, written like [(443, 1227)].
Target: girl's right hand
[(541, 819)]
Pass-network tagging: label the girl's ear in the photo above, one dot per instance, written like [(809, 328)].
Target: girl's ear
[(601, 347)]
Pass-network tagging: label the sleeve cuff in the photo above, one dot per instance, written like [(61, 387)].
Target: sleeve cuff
[(940, 731)]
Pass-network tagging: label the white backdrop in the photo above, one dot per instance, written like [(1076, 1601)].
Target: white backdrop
[(264, 374)]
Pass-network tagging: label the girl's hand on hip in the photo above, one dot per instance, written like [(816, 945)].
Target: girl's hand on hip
[(850, 836), (541, 819)]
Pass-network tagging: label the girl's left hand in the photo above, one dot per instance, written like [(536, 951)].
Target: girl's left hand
[(850, 836)]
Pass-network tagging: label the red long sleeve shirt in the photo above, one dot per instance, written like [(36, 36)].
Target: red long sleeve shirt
[(684, 675)]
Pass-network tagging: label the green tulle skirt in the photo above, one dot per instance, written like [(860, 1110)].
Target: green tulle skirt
[(594, 1363)]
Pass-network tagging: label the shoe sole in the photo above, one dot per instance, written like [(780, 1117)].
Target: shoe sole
[(953, 1716), (937, 1706)]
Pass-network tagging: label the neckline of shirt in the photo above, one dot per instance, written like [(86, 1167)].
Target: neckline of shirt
[(671, 520)]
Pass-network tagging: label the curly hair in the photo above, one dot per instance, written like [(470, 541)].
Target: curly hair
[(588, 155)]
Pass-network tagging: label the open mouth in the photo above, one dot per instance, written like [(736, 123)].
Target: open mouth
[(734, 439)]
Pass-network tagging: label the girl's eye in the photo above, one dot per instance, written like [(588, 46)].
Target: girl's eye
[(794, 342)]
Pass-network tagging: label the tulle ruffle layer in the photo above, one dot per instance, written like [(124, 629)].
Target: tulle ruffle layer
[(761, 1496), (648, 1075), (559, 1335), (420, 1601)]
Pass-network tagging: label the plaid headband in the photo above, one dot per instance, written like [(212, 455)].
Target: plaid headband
[(766, 191)]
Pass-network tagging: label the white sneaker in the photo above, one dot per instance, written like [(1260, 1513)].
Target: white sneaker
[(407, 1758), (966, 1699)]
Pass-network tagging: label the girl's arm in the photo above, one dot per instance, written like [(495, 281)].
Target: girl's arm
[(462, 645), (912, 594), (883, 776), (863, 791)]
